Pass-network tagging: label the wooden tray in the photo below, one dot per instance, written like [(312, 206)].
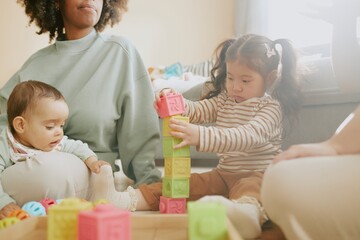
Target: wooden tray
[(152, 226)]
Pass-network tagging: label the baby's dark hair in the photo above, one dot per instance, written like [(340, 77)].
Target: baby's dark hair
[(47, 16), (25, 96), (262, 55)]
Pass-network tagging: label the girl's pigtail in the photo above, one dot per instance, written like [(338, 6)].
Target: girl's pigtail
[(287, 89)]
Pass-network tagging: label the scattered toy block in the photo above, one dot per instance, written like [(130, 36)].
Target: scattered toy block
[(171, 104), (63, 217), (19, 213), (172, 205), (176, 187), (177, 167), (104, 222), (207, 221)]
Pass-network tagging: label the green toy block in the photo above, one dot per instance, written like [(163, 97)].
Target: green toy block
[(177, 167), (166, 122), (207, 221), (176, 187), (169, 151)]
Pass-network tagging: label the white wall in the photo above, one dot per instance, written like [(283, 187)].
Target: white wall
[(164, 31)]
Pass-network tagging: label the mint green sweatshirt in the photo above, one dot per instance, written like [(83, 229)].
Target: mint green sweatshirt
[(109, 94)]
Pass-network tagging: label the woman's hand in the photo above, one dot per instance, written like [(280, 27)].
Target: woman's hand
[(189, 133), (306, 150), (160, 94), (5, 211)]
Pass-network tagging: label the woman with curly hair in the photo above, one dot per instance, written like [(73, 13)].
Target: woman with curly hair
[(107, 87)]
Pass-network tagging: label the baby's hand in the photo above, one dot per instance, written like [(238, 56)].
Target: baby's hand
[(5, 211), (160, 94), (96, 165)]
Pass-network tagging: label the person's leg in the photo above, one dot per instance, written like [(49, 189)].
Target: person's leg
[(48, 175), (243, 208), (201, 184), (315, 197), (102, 186)]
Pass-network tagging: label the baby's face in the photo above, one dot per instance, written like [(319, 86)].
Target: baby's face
[(44, 124)]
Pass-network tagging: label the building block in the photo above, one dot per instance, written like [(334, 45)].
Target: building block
[(104, 222), (171, 104), (177, 167), (166, 121), (169, 151), (176, 187), (63, 218), (34, 208), (207, 221), (172, 205)]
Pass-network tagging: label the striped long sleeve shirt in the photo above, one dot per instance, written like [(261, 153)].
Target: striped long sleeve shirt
[(246, 135)]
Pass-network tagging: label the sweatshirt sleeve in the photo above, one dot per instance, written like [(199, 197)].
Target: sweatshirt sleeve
[(5, 162), (203, 111), (76, 147), (138, 132)]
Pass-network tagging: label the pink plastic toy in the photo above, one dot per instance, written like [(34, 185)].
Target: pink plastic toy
[(172, 205), (47, 202), (171, 104), (104, 222)]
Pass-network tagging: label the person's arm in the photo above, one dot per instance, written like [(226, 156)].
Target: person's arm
[(344, 141), (82, 151)]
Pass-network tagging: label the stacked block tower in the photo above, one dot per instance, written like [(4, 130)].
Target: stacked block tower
[(177, 162)]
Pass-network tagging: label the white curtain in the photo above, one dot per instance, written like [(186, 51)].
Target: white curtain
[(251, 16)]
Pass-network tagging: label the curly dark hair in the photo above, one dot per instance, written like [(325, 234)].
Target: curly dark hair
[(218, 72), (47, 16)]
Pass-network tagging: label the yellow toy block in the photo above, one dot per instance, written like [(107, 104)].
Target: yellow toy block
[(63, 218), (177, 167), (166, 121)]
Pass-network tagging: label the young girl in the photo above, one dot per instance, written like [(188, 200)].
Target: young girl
[(36, 116), (254, 87)]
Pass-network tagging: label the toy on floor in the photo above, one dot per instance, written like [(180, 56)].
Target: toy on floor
[(207, 221), (104, 222)]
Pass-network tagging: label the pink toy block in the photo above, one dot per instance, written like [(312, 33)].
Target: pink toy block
[(172, 205), (104, 222), (171, 104)]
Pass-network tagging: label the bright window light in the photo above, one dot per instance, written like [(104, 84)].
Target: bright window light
[(286, 19)]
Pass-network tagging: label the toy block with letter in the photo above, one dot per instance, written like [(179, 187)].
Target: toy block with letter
[(172, 205), (176, 187), (171, 104), (104, 222)]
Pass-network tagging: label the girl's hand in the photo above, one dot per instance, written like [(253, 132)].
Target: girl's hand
[(159, 94), (96, 165), (188, 132), (5, 211)]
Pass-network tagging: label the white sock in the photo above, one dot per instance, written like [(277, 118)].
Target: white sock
[(246, 219), (102, 187), (120, 179), (244, 216)]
